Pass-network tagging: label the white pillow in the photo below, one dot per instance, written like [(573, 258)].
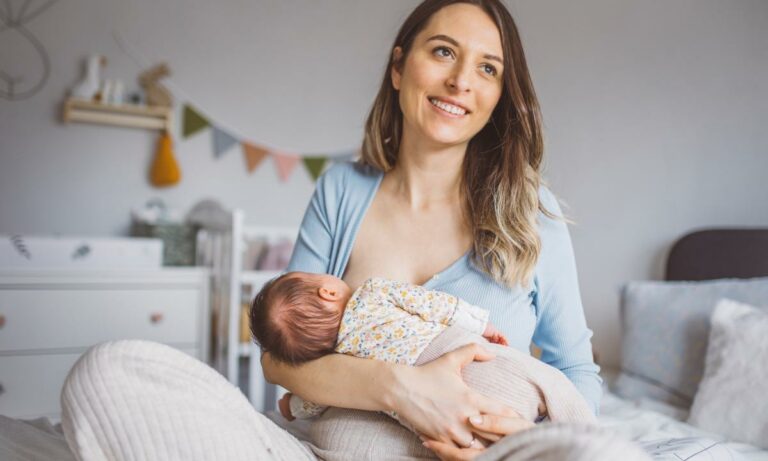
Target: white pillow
[(732, 397)]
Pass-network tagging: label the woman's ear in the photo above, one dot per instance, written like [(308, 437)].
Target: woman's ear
[(397, 65)]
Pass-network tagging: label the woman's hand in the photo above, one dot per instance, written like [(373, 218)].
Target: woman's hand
[(449, 452), (491, 428), (437, 402)]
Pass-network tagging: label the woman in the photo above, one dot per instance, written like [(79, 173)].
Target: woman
[(448, 195)]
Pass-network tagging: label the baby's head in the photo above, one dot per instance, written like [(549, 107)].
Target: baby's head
[(296, 317)]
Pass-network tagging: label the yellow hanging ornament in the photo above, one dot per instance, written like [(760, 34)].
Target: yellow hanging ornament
[(165, 171)]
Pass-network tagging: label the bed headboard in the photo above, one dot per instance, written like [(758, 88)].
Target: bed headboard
[(719, 253)]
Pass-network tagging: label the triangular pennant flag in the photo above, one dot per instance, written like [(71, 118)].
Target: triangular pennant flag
[(253, 155), (315, 166), (285, 163), (192, 121), (222, 141)]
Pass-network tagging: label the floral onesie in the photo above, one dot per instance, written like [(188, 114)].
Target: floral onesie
[(394, 322)]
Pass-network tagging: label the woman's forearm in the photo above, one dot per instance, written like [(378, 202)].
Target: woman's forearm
[(337, 380)]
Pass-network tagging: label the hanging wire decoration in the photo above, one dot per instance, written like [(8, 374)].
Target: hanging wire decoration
[(26, 80)]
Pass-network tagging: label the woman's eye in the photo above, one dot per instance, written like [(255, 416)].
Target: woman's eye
[(490, 70), (443, 52)]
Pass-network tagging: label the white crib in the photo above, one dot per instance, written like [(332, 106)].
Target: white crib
[(222, 248)]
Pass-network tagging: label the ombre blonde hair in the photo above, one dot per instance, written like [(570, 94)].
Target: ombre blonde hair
[(501, 177)]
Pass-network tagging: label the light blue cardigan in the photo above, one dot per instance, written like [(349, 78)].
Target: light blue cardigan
[(549, 313)]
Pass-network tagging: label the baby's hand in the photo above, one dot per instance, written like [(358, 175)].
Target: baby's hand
[(494, 336), (285, 407)]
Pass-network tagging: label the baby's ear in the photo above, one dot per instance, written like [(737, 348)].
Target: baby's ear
[(328, 294)]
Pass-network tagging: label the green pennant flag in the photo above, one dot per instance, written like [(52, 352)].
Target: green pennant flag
[(315, 166), (192, 121)]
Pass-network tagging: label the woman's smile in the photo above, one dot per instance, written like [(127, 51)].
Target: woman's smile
[(448, 109)]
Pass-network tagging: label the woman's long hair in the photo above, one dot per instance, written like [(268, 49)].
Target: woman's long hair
[(501, 177)]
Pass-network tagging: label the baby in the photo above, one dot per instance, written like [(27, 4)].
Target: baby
[(299, 317)]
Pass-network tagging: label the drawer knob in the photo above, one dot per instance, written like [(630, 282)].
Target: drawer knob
[(156, 318), (2, 321)]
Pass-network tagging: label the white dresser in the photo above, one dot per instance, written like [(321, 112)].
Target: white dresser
[(49, 318)]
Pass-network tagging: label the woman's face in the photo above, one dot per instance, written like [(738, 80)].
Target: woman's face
[(452, 77)]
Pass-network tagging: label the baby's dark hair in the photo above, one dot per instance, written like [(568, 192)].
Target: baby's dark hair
[(288, 320)]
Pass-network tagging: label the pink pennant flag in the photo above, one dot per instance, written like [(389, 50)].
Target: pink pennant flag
[(285, 164)]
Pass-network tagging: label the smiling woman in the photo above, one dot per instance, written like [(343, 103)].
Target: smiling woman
[(447, 195)]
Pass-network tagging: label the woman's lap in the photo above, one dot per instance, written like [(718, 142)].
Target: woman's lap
[(136, 400)]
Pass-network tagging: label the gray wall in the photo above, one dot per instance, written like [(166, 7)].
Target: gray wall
[(655, 114)]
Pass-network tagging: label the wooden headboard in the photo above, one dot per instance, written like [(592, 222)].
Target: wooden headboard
[(719, 253)]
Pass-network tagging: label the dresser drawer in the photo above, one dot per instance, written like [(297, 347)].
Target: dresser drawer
[(70, 318), (31, 384)]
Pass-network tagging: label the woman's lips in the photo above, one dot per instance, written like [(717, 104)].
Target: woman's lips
[(447, 109)]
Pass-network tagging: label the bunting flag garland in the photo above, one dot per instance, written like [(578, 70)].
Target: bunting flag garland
[(254, 154), (193, 121), (222, 141), (285, 163), (315, 166)]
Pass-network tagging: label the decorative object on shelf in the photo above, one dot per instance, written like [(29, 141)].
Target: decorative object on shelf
[(165, 170), (210, 214), (111, 92), (158, 221), (88, 87), (156, 95), (285, 162), (25, 80), (94, 102)]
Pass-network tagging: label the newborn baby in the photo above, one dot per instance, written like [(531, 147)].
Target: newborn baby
[(299, 317)]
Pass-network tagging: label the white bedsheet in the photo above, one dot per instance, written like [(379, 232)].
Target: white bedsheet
[(660, 430)]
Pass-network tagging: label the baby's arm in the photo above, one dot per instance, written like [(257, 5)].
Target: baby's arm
[(436, 306), (294, 407)]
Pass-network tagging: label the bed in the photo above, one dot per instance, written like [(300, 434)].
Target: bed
[(702, 260), (653, 416)]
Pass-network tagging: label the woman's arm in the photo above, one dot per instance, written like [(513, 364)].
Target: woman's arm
[(432, 397), (318, 381), (561, 330)]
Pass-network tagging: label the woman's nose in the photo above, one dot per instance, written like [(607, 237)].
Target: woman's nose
[(459, 80)]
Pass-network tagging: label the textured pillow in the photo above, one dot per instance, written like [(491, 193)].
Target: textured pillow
[(732, 395), (665, 332)]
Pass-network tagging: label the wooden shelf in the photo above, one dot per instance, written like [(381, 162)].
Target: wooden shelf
[(127, 115)]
